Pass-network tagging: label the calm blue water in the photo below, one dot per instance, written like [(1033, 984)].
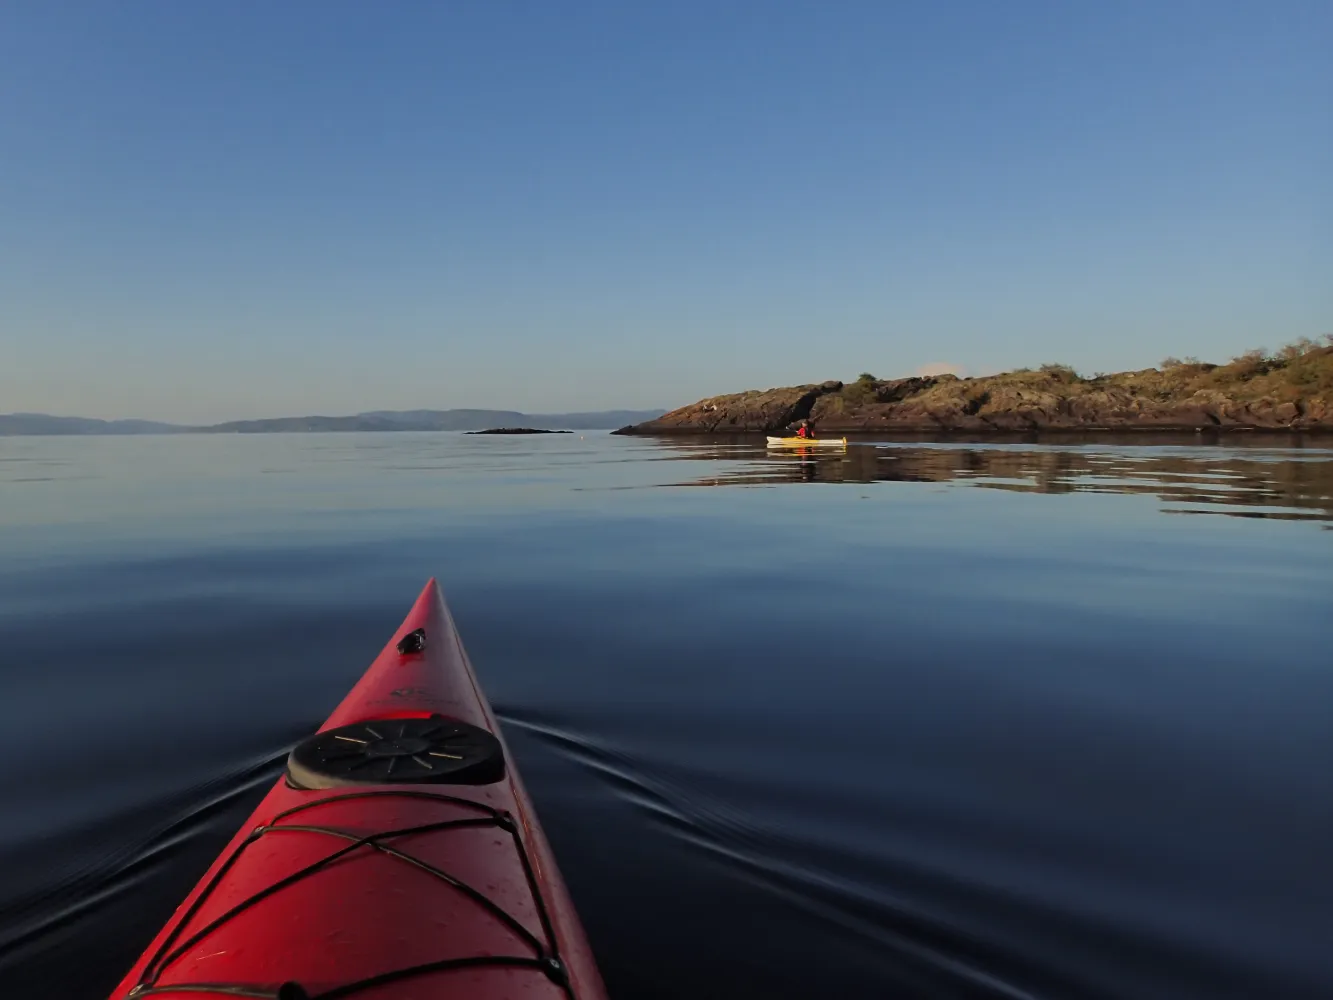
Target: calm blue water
[(935, 720)]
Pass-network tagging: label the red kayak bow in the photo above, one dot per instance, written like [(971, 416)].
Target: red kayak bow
[(398, 859)]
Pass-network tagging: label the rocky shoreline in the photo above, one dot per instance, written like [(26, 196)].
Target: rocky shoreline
[(1291, 390)]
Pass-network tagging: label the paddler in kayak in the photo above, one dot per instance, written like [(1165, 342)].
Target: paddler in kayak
[(804, 430)]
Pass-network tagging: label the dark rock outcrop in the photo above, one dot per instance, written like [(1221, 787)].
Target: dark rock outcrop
[(756, 411), (518, 430), (1293, 391)]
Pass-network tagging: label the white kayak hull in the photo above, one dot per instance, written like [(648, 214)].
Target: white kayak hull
[(799, 442)]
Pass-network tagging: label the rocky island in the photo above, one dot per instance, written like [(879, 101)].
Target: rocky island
[(1291, 389), (518, 430)]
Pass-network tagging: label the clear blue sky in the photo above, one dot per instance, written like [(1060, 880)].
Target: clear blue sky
[(246, 208)]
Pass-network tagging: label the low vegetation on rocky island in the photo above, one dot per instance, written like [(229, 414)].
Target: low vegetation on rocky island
[(1291, 389)]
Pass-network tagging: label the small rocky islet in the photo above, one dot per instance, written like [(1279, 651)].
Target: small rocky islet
[(518, 430), (1290, 390)]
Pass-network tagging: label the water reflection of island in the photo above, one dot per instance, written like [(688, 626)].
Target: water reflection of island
[(1287, 479)]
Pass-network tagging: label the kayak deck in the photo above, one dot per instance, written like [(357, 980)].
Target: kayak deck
[(398, 858)]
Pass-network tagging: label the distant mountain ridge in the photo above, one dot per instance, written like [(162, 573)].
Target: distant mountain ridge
[(44, 423), (24, 424)]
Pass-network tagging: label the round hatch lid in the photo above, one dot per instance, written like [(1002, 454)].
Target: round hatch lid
[(434, 750)]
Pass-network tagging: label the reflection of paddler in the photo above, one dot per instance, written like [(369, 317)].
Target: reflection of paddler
[(809, 471)]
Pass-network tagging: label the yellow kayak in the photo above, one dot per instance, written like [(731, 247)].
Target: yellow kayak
[(799, 442)]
